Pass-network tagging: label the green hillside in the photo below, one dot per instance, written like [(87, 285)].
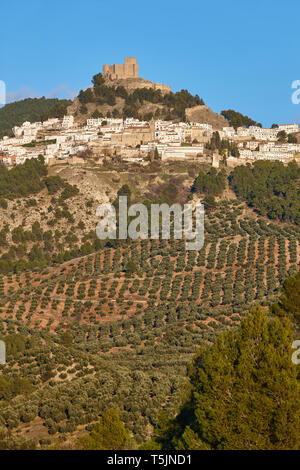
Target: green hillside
[(144, 103), (30, 109)]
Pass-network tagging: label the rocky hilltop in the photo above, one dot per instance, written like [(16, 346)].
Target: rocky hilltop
[(131, 84), (120, 92), (205, 115), (127, 76)]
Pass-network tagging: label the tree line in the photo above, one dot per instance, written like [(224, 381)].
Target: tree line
[(32, 110), (174, 103), (242, 391), (237, 119), (271, 188)]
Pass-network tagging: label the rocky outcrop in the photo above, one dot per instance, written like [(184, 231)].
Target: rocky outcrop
[(205, 115), (131, 84)]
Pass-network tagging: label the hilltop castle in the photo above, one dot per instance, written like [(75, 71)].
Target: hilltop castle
[(122, 71), (127, 75)]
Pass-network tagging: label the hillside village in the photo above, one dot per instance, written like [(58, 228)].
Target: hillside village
[(112, 326), (136, 140)]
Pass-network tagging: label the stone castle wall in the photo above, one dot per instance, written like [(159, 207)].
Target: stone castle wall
[(129, 69), (127, 75)]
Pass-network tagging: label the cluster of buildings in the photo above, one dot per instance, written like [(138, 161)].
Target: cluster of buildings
[(259, 133), (257, 143), (135, 140), (53, 139), (269, 151)]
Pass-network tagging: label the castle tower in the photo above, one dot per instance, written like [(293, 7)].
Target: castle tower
[(129, 69)]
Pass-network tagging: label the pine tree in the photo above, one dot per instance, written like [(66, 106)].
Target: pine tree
[(289, 301), (109, 434), (244, 392)]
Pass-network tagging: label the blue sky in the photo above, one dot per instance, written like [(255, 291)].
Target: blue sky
[(235, 54)]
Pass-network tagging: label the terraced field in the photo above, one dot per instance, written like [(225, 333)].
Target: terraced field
[(244, 260), (93, 335)]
